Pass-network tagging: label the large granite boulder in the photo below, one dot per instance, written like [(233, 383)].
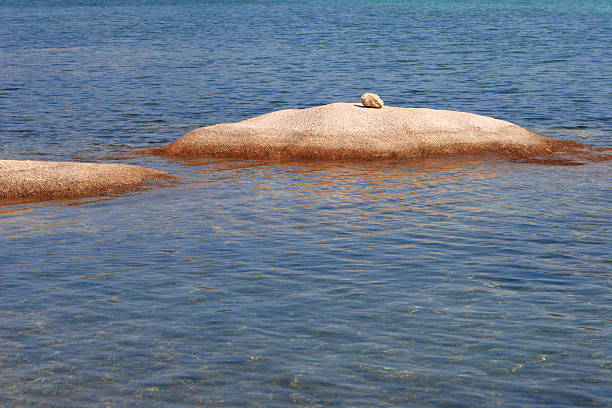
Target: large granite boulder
[(350, 131), (44, 180)]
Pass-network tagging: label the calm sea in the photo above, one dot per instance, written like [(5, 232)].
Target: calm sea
[(433, 283)]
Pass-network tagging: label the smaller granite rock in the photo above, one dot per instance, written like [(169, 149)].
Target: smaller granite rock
[(371, 100), (30, 180)]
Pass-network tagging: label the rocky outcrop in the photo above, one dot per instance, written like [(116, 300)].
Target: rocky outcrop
[(44, 180), (348, 131)]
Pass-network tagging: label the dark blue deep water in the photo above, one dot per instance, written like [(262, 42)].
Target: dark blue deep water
[(434, 283)]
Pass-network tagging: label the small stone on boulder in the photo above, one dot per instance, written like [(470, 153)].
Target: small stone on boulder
[(371, 100)]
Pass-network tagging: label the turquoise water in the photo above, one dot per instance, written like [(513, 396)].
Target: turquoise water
[(431, 283)]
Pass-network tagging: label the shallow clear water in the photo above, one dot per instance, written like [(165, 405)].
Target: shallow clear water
[(432, 283)]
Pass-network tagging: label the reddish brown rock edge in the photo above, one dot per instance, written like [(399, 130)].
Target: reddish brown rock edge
[(549, 152), (344, 131), (28, 180)]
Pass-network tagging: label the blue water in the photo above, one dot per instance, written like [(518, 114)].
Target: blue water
[(431, 283)]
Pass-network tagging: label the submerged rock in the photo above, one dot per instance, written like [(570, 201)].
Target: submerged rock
[(348, 131), (46, 180), (371, 100)]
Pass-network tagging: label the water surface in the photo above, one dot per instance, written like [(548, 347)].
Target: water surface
[(434, 283)]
